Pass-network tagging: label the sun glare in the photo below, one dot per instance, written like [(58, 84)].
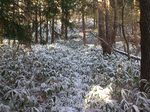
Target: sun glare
[(98, 95)]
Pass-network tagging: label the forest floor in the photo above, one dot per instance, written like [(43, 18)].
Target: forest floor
[(69, 77)]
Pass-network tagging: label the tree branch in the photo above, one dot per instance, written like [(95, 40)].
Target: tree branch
[(115, 50)]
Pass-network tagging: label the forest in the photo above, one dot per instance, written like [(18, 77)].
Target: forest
[(74, 56)]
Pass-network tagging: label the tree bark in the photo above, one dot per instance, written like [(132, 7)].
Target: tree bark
[(26, 23), (106, 48), (94, 22), (107, 21), (62, 18), (36, 25), (52, 37), (14, 20), (127, 43), (145, 40), (62, 26), (66, 26), (83, 23), (40, 23), (135, 24), (101, 32), (47, 30), (94, 11), (115, 27)]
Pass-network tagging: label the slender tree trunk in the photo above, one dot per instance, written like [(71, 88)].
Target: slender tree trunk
[(115, 27), (1, 38), (40, 24), (33, 26), (101, 21), (50, 26), (94, 26), (62, 27), (106, 48), (52, 37), (83, 24), (127, 43), (107, 21), (14, 18), (36, 25), (26, 23), (145, 40), (94, 20), (66, 26), (135, 24), (62, 18), (47, 30)]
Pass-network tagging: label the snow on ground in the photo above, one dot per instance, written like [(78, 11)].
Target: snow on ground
[(68, 77)]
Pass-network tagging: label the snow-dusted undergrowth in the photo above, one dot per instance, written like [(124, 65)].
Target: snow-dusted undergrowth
[(68, 77)]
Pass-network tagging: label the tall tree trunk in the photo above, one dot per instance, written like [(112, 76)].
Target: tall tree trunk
[(1, 38), (14, 19), (36, 25), (52, 37), (62, 18), (83, 23), (94, 11), (107, 21), (135, 24), (94, 22), (26, 23), (33, 26), (101, 21), (96, 19), (106, 48), (115, 27), (145, 40), (127, 43), (40, 24), (47, 30), (66, 26), (62, 26)]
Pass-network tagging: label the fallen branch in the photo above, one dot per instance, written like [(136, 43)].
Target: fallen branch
[(116, 50), (125, 53)]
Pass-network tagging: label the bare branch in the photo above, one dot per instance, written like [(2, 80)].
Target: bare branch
[(115, 50)]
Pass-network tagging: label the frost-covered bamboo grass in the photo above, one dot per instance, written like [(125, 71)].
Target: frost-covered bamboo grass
[(67, 76)]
